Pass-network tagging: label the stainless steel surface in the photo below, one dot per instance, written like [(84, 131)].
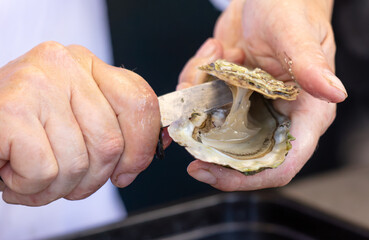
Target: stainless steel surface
[(198, 98), (243, 215), (342, 193)]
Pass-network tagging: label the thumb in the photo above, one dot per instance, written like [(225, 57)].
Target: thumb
[(137, 110), (210, 51), (311, 62)]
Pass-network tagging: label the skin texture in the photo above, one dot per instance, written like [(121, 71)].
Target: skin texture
[(297, 30), (69, 122)]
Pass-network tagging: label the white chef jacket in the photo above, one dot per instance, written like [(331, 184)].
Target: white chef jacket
[(23, 25), (220, 4)]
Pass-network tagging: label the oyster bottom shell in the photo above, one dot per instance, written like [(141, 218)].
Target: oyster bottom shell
[(248, 136)]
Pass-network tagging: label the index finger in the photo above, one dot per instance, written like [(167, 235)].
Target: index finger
[(309, 58), (210, 51)]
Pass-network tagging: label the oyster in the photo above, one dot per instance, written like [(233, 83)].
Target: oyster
[(248, 136)]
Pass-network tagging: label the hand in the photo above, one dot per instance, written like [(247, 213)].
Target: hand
[(310, 117), (69, 122), (272, 33)]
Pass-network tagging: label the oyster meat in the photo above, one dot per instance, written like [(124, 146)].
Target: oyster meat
[(249, 135)]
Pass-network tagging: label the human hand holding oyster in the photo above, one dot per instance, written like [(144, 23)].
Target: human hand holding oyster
[(292, 40), (273, 34), (248, 136), (309, 116)]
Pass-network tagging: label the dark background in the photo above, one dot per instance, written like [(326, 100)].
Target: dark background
[(156, 38)]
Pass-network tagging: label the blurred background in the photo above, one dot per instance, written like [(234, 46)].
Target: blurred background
[(156, 38)]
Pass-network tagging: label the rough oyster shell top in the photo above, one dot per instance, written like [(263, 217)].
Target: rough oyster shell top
[(248, 136), (257, 79)]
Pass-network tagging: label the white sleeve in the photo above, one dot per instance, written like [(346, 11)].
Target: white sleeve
[(61, 216), (220, 4), (24, 24)]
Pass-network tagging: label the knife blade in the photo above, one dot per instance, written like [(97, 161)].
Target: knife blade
[(201, 97)]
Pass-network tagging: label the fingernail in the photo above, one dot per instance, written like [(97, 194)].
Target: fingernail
[(166, 138), (205, 176), (336, 83), (208, 49), (125, 179)]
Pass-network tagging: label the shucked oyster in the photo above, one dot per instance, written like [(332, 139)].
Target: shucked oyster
[(248, 136)]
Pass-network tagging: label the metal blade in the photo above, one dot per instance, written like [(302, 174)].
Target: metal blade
[(198, 98)]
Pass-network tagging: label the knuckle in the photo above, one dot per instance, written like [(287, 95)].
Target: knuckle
[(47, 52), (141, 164), (30, 77), (48, 172), (50, 46), (21, 73), (26, 80), (12, 108), (80, 166), (79, 49), (47, 168), (24, 71), (110, 147), (30, 177)]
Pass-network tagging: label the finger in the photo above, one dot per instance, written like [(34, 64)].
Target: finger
[(317, 114), (311, 67), (329, 50), (210, 51), (217, 176), (98, 123), (307, 131), (24, 145), (228, 25), (226, 179), (235, 55), (70, 152), (137, 108)]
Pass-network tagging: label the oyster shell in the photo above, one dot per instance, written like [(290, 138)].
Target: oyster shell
[(248, 136)]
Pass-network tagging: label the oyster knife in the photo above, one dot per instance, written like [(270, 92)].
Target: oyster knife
[(201, 97)]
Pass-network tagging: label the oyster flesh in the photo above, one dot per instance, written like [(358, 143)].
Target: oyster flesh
[(248, 136)]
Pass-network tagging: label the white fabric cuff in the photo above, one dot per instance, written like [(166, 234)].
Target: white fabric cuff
[(220, 4)]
